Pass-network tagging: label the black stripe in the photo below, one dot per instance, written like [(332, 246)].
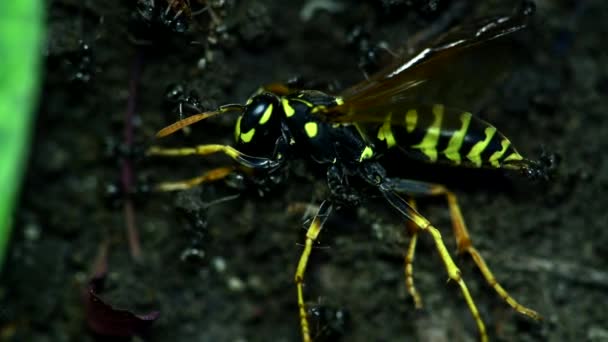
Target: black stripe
[(510, 150), (495, 145), (406, 139), (475, 133)]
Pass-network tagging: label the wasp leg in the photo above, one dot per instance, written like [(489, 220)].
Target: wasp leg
[(409, 260), (464, 244), (207, 177), (203, 150), (311, 236), (452, 270), (461, 234)]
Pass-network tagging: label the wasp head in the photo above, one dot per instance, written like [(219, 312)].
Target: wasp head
[(259, 124)]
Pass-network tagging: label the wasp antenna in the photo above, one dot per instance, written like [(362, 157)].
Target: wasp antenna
[(233, 107), (174, 127)]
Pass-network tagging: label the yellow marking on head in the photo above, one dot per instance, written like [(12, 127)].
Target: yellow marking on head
[(498, 154), (428, 145), (386, 133), (237, 128), (249, 100), (266, 116), (287, 108), (411, 117), (339, 101), (475, 153), (311, 129), (246, 137), (452, 152), (367, 153)]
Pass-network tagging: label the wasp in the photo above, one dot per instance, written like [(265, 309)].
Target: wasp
[(404, 106)]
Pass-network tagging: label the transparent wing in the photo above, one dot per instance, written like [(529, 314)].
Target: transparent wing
[(453, 70)]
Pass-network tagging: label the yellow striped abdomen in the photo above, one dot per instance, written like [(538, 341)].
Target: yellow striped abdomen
[(437, 134)]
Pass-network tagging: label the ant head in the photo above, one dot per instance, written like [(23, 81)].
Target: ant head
[(544, 168)]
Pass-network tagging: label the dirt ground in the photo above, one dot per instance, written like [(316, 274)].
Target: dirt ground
[(219, 267)]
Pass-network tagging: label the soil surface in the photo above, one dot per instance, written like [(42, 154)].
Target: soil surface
[(218, 261)]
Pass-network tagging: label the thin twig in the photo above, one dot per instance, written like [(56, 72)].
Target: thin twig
[(127, 167)]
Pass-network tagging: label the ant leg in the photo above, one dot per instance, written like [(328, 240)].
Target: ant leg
[(461, 234), (311, 236), (452, 270)]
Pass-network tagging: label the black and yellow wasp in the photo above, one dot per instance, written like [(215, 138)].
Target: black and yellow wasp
[(401, 107)]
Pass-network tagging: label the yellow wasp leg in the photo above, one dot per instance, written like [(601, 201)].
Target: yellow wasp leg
[(203, 150), (461, 234), (464, 244), (208, 177), (311, 236), (452, 270), (409, 260)]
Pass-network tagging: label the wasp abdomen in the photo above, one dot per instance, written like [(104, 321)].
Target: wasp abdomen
[(436, 135)]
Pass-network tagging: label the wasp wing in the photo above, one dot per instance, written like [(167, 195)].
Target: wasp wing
[(453, 70)]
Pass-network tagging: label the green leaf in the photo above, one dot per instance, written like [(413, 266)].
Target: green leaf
[(21, 32)]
